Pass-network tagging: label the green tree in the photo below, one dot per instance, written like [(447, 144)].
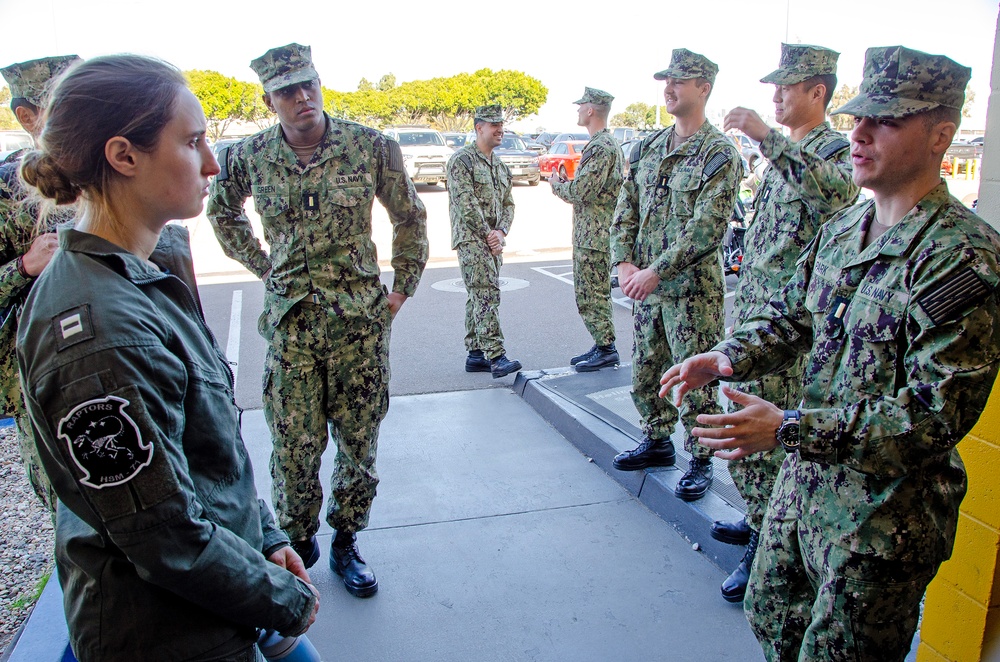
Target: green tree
[(641, 116), (840, 97), (518, 93), (8, 120), (223, 99), (386, 83), (970, 97), (365, 85)]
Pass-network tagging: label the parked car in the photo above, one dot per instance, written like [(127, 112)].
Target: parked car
[(580, 135), (562, 158), (523, 162), (425, 153), (623, 134), (534, 146), (455, 140), (546, 138), (12, 141)]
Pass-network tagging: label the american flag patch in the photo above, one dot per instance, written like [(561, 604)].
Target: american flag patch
[(395, 156), (948, 298)]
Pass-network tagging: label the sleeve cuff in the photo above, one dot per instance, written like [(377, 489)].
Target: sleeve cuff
[(819, 435), (773, 144)]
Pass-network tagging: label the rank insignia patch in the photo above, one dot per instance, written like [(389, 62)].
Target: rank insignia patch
[(104, 442)]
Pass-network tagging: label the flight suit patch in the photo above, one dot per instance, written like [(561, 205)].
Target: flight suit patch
[(104, 442)]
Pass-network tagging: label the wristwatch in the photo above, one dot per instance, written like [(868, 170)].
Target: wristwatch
[(788, 433)]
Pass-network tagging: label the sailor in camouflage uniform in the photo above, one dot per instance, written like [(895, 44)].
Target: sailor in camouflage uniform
[(593, 194), (25, 251), (326, 316), (673, 209), (807, 180), (897, 298), (481, 208)]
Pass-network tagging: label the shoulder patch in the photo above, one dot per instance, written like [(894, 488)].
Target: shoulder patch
[(223, 164), (715, 164), (104, 442), (395, 155), (467, 160), (832, 148), (636, 152), (72, 326), (941, 303), (587, 154)]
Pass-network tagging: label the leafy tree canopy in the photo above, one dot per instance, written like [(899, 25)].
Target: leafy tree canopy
[(642, 116)]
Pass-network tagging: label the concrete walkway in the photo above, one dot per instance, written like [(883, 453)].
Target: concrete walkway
[(495, 539)]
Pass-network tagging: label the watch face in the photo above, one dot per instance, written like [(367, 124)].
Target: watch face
[(788, 434)]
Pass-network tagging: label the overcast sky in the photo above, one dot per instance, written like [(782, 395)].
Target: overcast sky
[(562, 44)]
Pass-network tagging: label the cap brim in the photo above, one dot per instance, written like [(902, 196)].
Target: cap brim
[(581, 101), (871, 105), (673, 73), (291, 78), (785, 77)]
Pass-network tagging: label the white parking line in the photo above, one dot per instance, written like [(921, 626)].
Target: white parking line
[(233, 345), (567, 277)]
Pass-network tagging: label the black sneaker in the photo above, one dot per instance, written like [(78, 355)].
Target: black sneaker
[(693, 485), (583, 357), (308, 550), (501, 366), (650, 453), (601, 358), (477, 362)]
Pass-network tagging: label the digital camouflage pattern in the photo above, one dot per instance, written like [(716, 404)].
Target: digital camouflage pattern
[(479, 201), (595, 96), (671, 214), (801, 62), (19, 226), (685, 64), (284, 66), (904, 338), (593, 194), (900, 81), (31, 80), (806, 182), (317, 222), (491, 113)]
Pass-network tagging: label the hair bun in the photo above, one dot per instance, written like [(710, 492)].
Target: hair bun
[(40, 170)]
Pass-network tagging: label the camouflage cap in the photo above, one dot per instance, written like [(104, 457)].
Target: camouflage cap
[(594, 95), (801, 62), (900, 81), (29, 80), (491, 113), (685, 64), (284, 66)]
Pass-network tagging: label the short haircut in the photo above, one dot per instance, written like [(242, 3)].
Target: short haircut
[(701, 80), (941, 114), (21, 102), (829, 80), (602, 110)]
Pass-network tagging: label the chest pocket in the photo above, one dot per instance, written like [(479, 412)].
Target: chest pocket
[(873, 359), (348, 207), (684, 184), (271, 206)]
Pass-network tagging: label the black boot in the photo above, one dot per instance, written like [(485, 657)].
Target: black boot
[(602, 357), (501, 366), (735, 586), (583, 357), (650, 453), (477, 362), (693, 485), (347, 562), (732, 533), (308, 550)]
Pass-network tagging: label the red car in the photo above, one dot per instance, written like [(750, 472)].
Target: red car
[(563, 157)]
